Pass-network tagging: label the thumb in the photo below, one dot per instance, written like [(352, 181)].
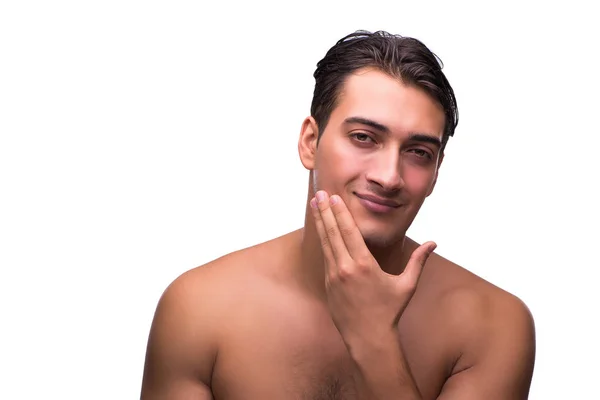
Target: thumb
[(417, 261)]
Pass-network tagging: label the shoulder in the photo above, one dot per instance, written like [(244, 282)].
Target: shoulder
[(205, 294), (193, 319), (190, 318), (472, 300), (491, 333), (489, 322)]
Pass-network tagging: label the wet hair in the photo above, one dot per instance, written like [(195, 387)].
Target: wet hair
[(405, 58)]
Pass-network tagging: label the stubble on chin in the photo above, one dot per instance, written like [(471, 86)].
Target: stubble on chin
[(374, 240)]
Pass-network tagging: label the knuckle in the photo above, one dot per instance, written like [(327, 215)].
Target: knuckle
[(363, 262), (346, 231), (343, 275), (333, 278), (340, 275), (345, 272), (331, 231)]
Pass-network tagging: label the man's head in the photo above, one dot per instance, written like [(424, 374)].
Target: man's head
[(404, 58), (381, 116)]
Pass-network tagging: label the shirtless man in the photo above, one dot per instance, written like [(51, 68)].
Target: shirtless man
[(348, 307)]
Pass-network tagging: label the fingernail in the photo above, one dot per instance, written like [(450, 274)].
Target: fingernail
[(334, 199), (313, 203), (320, 196)]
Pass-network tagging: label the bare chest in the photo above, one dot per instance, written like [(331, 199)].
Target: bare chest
[(276, 353)]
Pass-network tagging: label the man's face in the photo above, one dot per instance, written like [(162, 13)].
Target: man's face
[(380, 152)]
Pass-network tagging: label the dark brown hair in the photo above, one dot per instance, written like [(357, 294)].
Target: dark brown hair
[(402, 57)]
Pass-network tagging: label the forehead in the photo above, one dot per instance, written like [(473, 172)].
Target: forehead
[(372, 94)]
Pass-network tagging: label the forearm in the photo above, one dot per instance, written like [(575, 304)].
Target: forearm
[(382, 372)]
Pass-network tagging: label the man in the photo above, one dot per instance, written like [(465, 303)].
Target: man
[(348, 307)]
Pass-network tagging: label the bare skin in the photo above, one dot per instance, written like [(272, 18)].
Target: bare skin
[(264, 322)]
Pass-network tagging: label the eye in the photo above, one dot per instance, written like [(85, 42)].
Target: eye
[(362, 138), (421, 153)]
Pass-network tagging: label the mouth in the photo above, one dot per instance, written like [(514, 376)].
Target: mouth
[(376, 204)]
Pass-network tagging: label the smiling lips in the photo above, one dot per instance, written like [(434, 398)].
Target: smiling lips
[(377, 204)]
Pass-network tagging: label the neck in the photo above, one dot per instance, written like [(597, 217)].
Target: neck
[(391, 259)]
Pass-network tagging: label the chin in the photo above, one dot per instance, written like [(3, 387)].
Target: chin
[(377, 238)]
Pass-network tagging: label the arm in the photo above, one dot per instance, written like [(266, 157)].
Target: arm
[(497, 363), (181, 348), (382, 370)]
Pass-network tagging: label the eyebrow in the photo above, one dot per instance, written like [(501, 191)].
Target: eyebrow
[(415, 137), (423, 138), (368, 122)]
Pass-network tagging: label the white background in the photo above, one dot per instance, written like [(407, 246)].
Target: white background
[(142, 139)]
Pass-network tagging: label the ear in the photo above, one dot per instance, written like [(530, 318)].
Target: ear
[(307, 143), (437, 170)]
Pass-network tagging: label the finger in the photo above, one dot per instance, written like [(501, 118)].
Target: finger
[(325, 245), (353, 239), (332, 230), (417, 261)]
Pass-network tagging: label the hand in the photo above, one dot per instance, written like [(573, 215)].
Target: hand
[(364, 301)]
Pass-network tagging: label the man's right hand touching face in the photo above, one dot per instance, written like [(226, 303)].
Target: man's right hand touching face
[(363, 299)]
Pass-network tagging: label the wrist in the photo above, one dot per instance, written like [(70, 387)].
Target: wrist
[(381, 367), (368, 348)]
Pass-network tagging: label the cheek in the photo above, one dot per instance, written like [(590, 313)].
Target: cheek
[(417, 182), (339, 165)]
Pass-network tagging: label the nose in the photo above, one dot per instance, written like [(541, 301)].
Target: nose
[(386, 171)]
